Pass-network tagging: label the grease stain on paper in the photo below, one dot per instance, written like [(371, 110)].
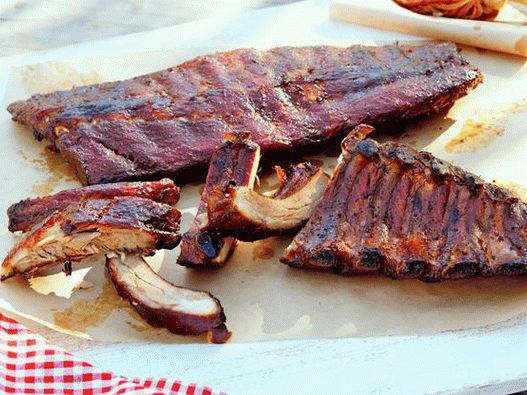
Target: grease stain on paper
[(51, 163), (473, 136), (261, 251), (53, 76), (87, 313)]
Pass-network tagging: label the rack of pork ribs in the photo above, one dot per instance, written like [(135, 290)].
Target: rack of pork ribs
[(393, 210), (169, 123)]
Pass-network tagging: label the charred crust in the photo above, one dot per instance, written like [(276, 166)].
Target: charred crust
[(368, 148), (439, 168), (513, 268), (464, 269), (210, 243), (67, 268), (68, 227), (371, 258), (29, 212), (414, 268)]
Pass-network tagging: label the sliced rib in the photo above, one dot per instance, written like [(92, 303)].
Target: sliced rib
[(235, 161), (162, 304), (242, 212), (94, 227), (26, 213)]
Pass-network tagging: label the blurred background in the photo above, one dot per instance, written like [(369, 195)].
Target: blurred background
[(32, 25)]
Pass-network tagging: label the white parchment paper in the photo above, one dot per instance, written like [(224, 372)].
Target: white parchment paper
[(264, 299)]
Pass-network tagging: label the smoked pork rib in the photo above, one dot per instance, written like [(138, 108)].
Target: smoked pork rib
[(28, 212), (390, 209), (163, 304), (92, 227), (169, 123), (235, 161), (235, 165), (244, 213)]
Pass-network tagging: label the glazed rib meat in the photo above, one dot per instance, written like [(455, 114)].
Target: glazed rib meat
[(26, 213), (209, 242), (235, 161), (390, 209), (162, 304), (95, 227), (242, 212), (169, 123)]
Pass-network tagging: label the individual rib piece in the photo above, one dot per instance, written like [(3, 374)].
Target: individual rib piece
[(235, 161), (93, 227), (26, 213), (162, 304), (407, 214), (169, 123), (242, 212)]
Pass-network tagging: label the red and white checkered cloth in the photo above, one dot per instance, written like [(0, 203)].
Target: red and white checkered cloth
[(29, 364)]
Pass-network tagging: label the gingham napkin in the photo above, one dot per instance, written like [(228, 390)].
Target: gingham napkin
[(29, 364)]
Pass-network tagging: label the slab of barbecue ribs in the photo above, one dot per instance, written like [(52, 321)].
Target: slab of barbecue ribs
[(390, 209), (170, 122)]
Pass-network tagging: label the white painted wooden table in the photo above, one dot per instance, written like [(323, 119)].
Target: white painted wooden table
[(487, 361)]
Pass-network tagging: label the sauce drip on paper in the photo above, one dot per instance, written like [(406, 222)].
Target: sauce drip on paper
[(91, 312), (473, 136)]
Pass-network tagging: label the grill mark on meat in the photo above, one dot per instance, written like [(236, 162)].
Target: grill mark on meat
[(431, 220), (419, 252), (169, 123), (412, 245), (369, 257), (352, 225), (373, 198), (510, 241), (284, 112), (478, 212), (450, 221), (472, 232), (379, 231), (459, 256)]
